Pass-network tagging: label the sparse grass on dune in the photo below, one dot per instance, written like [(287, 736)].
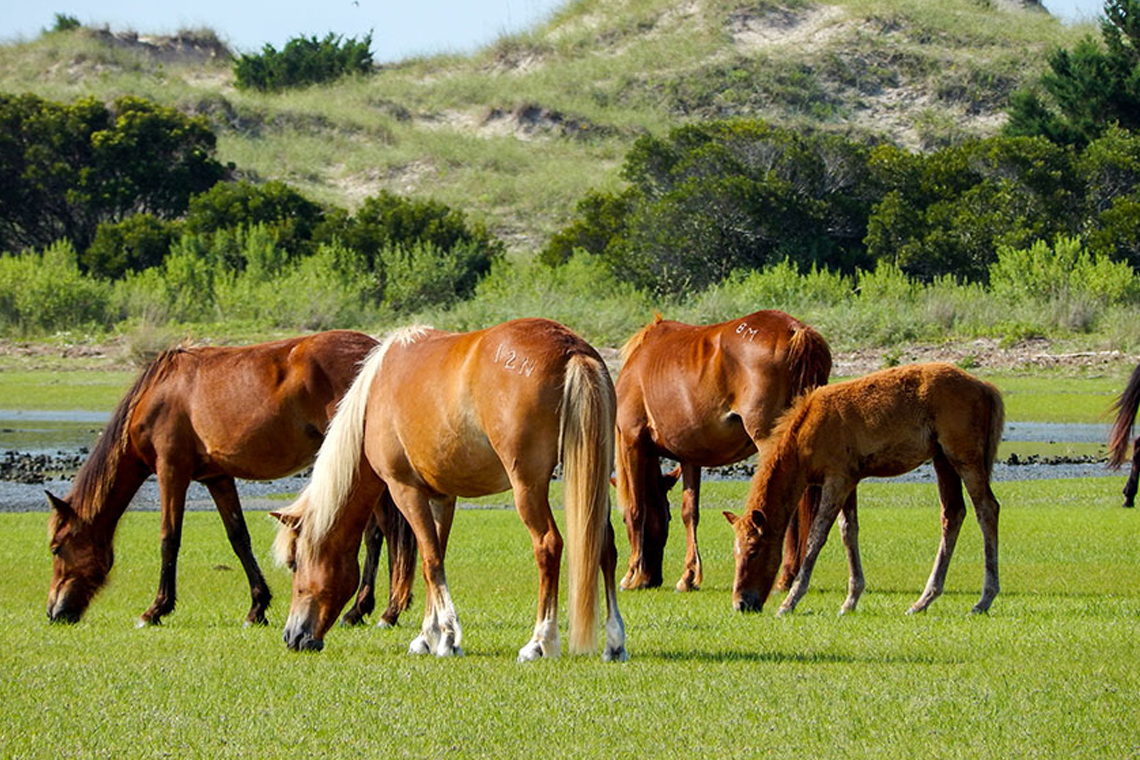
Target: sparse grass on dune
[(1050, 672)]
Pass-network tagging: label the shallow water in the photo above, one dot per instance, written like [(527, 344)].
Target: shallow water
[(59, 436)]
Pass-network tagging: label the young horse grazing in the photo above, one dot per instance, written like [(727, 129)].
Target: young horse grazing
[(209, 414), (704, 396), (1121, 434), (881, 425), (435, 415)]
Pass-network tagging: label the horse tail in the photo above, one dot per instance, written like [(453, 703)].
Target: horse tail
[(587, 442), (809, 366), (997, 424), (1121, 432), (337, 463), (808, 360)]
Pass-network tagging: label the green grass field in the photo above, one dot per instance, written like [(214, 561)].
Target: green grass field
[(1050, 672)]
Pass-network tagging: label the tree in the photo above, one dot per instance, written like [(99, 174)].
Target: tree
[(65, 169), (1088, 88)]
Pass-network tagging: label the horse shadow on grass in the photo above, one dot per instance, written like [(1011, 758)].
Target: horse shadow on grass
[(799, 658)]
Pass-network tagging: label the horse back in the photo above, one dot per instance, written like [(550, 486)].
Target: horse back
[(691, 388), (454, 411), (254, 412), (890, 421)]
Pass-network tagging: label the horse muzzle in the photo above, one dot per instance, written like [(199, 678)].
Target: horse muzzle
[(299, 638), (60, 612), (747, 601)]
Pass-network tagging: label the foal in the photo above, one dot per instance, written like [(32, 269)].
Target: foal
[(881, 425)]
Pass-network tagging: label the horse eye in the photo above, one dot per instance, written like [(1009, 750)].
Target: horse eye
[(55, 550)]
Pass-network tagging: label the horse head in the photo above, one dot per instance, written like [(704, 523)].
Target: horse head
[(758, 550), (324, 578), (81, 559)]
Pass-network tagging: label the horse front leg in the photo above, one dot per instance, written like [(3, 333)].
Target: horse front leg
[(172, 487), (440, 633), (692, 574), (366, 593), (224, 492), (830, 502), (401, 561), (646, 514)]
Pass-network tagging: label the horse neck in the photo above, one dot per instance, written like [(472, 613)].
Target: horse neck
[(118, 487), (778, 488)]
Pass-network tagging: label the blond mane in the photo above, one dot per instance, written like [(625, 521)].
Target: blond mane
[(334, 470)]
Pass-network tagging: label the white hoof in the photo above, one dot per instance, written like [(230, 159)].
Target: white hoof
[(419, 645)]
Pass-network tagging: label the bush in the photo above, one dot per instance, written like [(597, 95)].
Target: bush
[(292, 218), (1064, 272), (421, 275), (304, 61), (45, 292), (136, 243)]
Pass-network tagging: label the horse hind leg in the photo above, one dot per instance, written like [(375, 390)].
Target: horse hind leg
[(987, 509), (1133, 476), (849, 530), (224, 492), (692, 576), (615, 650), (953, 513), (534, 509)]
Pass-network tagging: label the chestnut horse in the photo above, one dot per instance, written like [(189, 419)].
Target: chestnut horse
[(1121, 434), (433, 416), (704, 396), (209, 414), (881, 425)]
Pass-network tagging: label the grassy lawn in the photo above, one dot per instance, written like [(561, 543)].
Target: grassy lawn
[(1051, 672)]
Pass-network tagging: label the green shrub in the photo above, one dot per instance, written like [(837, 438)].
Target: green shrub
[(419, 276), (138, 242), (304, 61), (388, 220), (45, 291), (1064, 272), (293, 218)]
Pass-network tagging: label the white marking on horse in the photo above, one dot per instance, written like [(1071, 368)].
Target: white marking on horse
[(746, 331), (512, 362)]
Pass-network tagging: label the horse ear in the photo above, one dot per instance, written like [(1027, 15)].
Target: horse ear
[(59, 505), (757, 519), (287, 519), (730, 517), (669, 479)]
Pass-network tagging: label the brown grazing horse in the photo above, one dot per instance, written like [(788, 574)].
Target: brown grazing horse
[(881, 425), (705, 396), (433, 416), (209, 414), (1121, 434)]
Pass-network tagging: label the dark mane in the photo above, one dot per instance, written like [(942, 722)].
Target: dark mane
[(92, 484)]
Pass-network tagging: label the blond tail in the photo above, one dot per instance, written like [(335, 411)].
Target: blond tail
[(587, 432)]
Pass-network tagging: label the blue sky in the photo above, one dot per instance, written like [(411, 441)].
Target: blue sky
[(400, 28)]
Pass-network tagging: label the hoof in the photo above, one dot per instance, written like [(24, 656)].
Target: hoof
[(419, 645), (621, 654)]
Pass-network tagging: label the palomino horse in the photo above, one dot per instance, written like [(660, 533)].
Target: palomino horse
[(209, 414), (704, 396), (881, 425), (435, 415), (1121, 434)]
